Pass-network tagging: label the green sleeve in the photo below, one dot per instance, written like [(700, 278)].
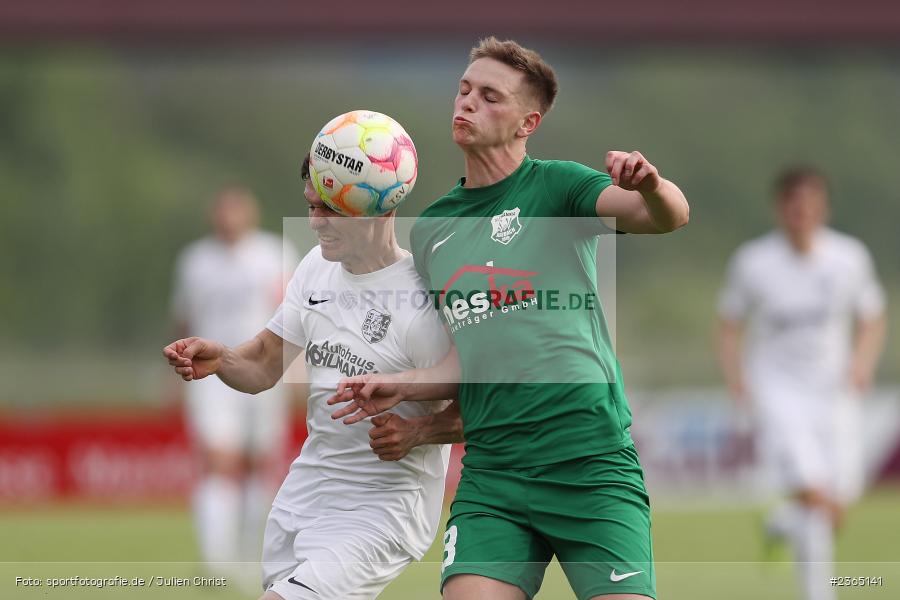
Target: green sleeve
[(416, 236), (576, 185)]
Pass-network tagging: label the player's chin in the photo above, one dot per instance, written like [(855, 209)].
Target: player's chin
[(462, 135), (331, 250)]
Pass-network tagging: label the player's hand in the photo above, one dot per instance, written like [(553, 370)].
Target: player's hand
[(194, 358), (366, 395), (392, 436), (631, 171)]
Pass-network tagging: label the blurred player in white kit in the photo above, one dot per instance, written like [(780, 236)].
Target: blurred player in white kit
[(815, 311), (362, 502), (226, 286)]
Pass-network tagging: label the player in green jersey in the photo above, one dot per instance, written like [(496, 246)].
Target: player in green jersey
[(510, 256)]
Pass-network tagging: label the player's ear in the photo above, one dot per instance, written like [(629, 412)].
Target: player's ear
[(529, 124)]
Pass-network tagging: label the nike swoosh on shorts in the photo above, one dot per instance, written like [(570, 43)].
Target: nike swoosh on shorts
[(303, 585), (615, 578)]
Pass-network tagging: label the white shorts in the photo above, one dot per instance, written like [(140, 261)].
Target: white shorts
[(328, 558), (813, 443), (225, 419)]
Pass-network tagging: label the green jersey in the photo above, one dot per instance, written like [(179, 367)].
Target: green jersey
[(512, 269)]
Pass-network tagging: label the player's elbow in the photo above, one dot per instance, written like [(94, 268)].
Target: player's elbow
[(260, 388), (679, 218), (262, 379), (267, 382), (675, 221), (685, 216)]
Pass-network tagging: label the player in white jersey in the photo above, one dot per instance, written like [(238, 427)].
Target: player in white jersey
[(815, 312), (226, 286), (347, 520)]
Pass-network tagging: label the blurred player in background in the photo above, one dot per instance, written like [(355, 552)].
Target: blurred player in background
[(550, 468), (816, 314), (226, 287), (346, 520)]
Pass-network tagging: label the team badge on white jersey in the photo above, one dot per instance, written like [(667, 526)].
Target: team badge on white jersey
[(505, 226), (375, 327)]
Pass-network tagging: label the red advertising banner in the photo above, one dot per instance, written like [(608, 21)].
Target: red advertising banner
[(110, 456), (102, 456)]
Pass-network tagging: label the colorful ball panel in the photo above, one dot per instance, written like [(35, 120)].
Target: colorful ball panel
[(371, 156)]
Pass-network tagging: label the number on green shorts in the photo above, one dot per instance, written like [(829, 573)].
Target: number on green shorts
[(449, 547)]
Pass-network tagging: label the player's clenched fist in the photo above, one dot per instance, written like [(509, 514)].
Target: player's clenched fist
[(194, 358), (631, 171), (392, 436)]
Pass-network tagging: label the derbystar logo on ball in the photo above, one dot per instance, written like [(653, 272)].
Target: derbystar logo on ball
[(327, 154), (363, 164)]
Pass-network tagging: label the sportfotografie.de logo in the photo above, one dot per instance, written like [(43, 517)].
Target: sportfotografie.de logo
[(506, 291)]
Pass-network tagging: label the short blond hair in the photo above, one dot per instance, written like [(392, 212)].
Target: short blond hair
[(539, 76)]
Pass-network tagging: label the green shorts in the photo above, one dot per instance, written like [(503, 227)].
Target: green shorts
[(593, 513)]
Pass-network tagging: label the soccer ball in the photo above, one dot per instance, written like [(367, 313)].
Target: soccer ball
[(363, 163)]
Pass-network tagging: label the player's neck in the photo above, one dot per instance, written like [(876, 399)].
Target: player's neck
[(231, 239), (802, 243), (487, 166), (374, 261)]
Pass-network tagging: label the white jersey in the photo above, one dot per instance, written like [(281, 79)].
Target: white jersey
[(227, 292), (801, 309), (350, 325)]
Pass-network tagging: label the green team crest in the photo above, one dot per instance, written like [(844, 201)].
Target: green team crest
[(505, 226)]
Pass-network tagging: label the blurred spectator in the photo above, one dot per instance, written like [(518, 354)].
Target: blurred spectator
[(226, 287), (816, 314)]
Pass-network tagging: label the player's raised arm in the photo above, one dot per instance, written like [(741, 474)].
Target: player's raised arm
[(640, 200), (369, 395), (252, 367)]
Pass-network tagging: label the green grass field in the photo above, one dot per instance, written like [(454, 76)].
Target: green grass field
[(700, 554)]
